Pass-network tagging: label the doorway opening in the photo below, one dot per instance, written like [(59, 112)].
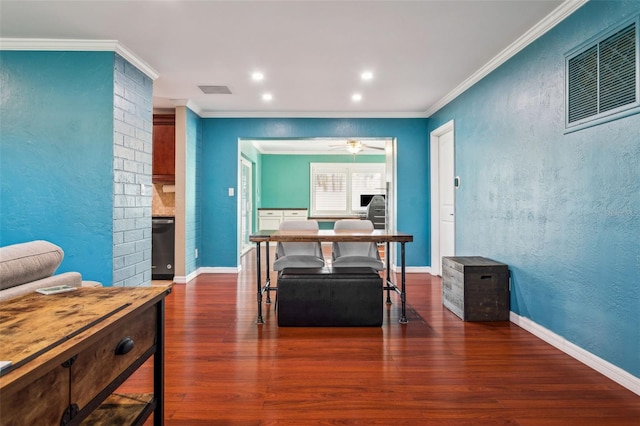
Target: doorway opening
[(279, 164), (246, 204)]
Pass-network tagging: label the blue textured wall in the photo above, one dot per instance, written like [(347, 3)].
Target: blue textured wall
[(562, 210), (220, 160), (286, 179), (193, 169), (56, 155)]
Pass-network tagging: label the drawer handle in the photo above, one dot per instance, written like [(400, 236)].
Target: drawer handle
[(124, 346), (485, 277)]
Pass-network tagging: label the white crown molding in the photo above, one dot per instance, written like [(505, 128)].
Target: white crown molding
[(136, 61), (79, 45), (310, 114), (605, 368), (547, 23)]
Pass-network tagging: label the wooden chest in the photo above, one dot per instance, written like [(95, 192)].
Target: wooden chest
[(475, 288)]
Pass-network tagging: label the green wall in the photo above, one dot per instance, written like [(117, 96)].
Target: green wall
[(286, 178)]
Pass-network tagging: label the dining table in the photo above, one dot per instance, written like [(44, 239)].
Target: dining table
[(381, 236)]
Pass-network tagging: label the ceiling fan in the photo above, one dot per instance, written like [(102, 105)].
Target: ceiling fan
[(354, 146)]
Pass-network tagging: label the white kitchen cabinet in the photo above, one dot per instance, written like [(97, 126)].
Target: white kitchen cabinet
[(270, 219), (295, 214)]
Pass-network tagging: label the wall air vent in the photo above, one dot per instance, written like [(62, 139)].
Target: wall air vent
[(215, 90), (602, 78)]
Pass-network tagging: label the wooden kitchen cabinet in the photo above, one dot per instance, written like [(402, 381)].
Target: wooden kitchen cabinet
[(164, 148)]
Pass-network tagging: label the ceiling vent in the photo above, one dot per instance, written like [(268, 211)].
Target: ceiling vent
[(215, 90)]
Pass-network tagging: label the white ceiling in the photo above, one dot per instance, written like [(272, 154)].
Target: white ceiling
[(311, 52)]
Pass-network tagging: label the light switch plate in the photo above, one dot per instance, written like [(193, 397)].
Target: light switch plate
[(231, 192)]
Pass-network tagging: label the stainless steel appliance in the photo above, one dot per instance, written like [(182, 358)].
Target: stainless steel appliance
[(162, 247)]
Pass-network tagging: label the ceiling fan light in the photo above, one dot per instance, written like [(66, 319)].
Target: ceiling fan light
[(354, 147)]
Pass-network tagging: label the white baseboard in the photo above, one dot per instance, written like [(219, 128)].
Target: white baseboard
[(605, 368), (206, 270), (219, 270), (178, 279), (411, 269), (414, 269)]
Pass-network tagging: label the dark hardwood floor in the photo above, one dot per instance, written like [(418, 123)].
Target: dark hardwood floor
[(223, 369)]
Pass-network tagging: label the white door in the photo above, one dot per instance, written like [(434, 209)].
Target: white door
[(447, 228), (246, 206), (442, 196)]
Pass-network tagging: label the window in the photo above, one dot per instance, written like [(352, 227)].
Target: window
[(602, 78), (336, 187)]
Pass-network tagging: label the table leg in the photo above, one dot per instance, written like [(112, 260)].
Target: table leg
[(388, 261), (259, 320), (158, 367), (403, 294), (267, 280)]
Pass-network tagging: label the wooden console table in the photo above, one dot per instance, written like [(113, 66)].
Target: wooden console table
[(70, 351), (375, 236)]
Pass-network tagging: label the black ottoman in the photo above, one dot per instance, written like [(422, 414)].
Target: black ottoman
[(329, 297)]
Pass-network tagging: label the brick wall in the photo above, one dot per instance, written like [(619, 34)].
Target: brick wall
[(132, 190)]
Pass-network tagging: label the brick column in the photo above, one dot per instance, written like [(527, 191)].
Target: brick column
[(132, 190)]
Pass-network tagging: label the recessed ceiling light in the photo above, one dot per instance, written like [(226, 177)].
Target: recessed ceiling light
[(356, 97), (257, 76), (366, 76), (267, 97)]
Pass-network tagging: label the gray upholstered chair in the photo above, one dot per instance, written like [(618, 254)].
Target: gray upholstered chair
[(348, 254), (298, 255)]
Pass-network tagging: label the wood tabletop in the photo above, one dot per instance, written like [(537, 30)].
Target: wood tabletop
[(330, 235), (36, 329)]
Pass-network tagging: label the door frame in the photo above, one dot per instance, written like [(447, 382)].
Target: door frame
[(435, 193), (249, 214), (391, 155)]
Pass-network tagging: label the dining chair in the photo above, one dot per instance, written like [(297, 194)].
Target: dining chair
[(355, 254), (298, 254)]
